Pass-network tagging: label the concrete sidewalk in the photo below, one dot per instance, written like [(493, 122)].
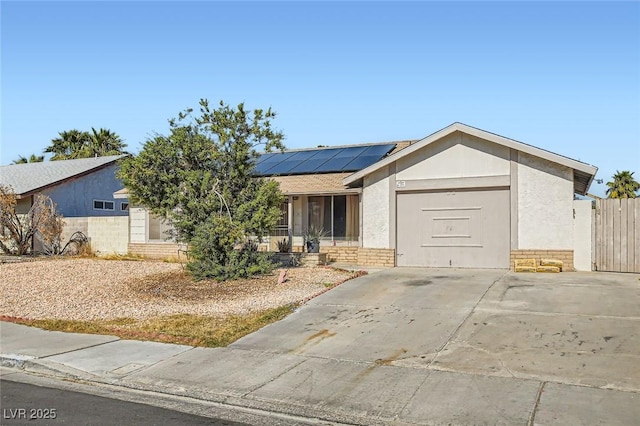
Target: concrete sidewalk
[(397, 347)]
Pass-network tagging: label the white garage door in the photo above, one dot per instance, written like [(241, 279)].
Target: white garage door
[(465, 228)]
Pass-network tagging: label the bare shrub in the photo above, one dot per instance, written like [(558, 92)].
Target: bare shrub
[(78, 245), (49, 230), (18, 230)]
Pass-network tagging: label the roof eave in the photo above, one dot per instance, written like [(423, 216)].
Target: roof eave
[(579, 177), (351, 191)]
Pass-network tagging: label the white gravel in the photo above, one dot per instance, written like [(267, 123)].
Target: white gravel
[(90, 289)]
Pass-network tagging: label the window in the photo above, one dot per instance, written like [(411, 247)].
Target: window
[(282, 227), (103, 205), (124, 206), (337, 215)]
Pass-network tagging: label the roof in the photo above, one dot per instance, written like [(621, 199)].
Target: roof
[(121, 193), (583, 173), (330, 159), (326, 183), (29, 178)]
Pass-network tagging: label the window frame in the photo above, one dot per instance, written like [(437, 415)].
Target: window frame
[(104, 205), (330, 203)]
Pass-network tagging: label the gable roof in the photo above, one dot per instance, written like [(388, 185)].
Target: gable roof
[(583, 173), (30, 178)]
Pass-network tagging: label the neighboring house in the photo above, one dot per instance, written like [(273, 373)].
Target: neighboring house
[(83, 192), (461, 197)]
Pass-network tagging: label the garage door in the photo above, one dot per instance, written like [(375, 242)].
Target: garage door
[(466, 228)]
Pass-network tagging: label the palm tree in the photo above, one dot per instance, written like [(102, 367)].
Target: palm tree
[(104, 142), (70, 144), (32, 159), (623, 185), (76, 144)]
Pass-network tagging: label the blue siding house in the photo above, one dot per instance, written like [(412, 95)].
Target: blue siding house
[(80, 188), (83, 192)]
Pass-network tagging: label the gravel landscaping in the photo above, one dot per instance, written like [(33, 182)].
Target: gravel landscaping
[(92, 289)]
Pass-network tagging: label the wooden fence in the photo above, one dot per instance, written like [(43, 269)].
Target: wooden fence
[(617, 235)]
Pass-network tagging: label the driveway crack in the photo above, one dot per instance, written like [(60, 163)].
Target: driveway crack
[(471, 312), (285, 371), (78, 349), (532, 417)]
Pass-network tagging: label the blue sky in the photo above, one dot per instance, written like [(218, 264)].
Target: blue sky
[(561, 76)]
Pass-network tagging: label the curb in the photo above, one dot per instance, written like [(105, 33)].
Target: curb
[(301, 413), (42, 367)]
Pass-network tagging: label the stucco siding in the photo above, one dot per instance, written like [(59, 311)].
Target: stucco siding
[(375, 210), (74, 198), (545, 204), (455, 156)]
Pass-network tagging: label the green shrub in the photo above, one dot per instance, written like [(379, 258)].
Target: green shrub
[(215, 253)]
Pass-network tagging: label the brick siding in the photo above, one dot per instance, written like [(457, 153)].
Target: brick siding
[(353, 255), (376, 257), (340, 254)]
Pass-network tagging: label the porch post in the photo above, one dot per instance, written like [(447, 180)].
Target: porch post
[(290, 222)]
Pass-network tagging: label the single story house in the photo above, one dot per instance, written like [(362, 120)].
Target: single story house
[(83, 192), (460, 197)]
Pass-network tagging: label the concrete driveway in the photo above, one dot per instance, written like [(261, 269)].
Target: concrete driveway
[(467, 347)]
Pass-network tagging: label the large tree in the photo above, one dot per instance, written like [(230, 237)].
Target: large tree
[(104, 142), (71, 144), (623, 185), (200, 178)]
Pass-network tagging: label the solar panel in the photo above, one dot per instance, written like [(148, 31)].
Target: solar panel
[(325, 160), (321, 157), (340, 160), (305, 155), (328, 152), (352, 151), (260, 170), (380, 150), (371, 155), (297, 159), (263, 168), (264, 157)]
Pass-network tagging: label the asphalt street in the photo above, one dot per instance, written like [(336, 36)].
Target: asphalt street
[(27, 404)]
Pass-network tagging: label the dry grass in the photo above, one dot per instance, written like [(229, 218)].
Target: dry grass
[(116, 256), (183, 329)]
